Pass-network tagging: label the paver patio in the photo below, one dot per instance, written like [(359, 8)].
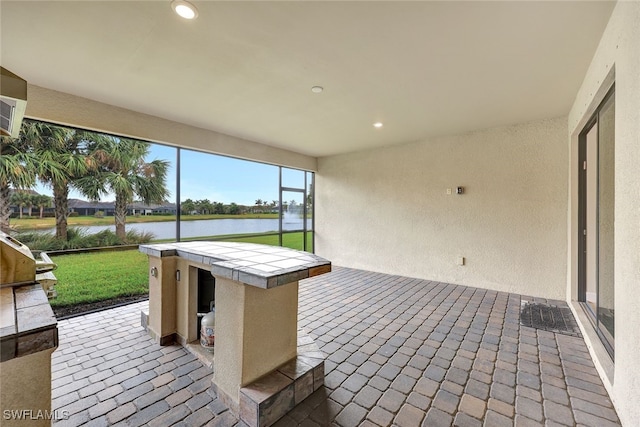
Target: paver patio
[(400, 351)]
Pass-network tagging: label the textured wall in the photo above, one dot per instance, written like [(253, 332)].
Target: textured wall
[(618, 57), (387, 209)]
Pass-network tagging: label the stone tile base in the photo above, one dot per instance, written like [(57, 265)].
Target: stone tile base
[(269, 398)]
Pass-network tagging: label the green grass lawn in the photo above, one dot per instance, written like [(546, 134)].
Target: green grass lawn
[(100, 276), (289, 240)]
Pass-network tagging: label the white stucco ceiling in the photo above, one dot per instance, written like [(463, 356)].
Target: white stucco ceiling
[(247, 68)]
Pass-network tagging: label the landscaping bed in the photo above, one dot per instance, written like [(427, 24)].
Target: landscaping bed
[(68, 311)]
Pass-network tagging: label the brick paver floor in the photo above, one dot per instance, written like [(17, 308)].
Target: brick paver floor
[(400, 351)]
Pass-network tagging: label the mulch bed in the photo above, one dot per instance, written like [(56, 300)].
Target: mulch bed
[(67, 312)]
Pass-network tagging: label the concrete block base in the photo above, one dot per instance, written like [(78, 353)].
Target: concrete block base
[(266, 400)]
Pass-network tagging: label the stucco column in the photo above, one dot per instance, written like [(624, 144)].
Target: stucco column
[(162, 299), (256, 332)]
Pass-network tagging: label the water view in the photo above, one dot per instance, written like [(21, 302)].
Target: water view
[(207, 227)]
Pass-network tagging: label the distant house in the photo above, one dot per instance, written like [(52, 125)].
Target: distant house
[(137, 208), (165, 209), (85, 208), (88, 208)]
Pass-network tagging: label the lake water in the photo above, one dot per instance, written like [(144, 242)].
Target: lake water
[(206, 227)]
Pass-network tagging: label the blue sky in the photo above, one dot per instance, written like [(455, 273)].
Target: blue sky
[(217, 178), (223, 179)]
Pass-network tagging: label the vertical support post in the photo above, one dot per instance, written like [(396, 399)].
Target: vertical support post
[(313, 212), (178, 194), (304, 214), (281, 213), (162, 299)]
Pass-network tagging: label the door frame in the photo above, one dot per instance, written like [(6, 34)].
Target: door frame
[(582, 225)]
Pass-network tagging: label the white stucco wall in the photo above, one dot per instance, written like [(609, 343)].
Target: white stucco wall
[(619, 50), (63, 108), (387, 209)]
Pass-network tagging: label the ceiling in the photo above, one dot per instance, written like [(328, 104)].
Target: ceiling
[(246, 68)]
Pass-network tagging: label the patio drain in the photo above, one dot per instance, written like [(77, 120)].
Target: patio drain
[(549, 317)]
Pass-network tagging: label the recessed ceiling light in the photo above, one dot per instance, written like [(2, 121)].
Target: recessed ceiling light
[(377, 125), (184, 9), (317, 89)]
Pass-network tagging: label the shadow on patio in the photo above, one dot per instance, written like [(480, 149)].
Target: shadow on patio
[(400, 351)]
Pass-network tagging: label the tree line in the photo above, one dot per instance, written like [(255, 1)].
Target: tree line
[(92, 163), (205, 206), (23, 198)]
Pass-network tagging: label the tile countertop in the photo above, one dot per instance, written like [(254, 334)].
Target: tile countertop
[(27, 322), (257, 265)]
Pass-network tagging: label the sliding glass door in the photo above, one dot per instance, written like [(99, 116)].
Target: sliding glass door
[(597, 209)]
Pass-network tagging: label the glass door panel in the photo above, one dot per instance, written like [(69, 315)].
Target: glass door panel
[(293, 211), (292, 178), (591, 296), (606, 210), (296, 209), (310, 199)]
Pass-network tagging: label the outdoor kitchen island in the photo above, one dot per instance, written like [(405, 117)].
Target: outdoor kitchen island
[(263, 365)]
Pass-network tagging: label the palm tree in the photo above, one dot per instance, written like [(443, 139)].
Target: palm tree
[(61, 159), (16, 170), (42, 201), (188, 206), (234, 209), (20, 198), (204, 206), (124, 172), (218, 208), (29, 202)]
